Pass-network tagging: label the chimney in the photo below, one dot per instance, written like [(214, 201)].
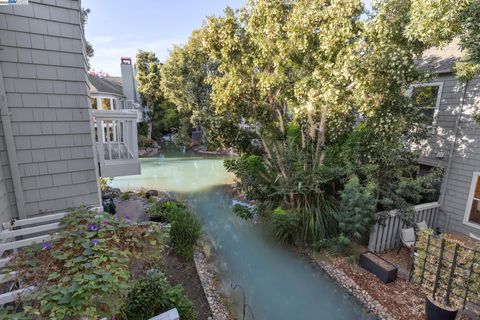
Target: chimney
[(128, 79)]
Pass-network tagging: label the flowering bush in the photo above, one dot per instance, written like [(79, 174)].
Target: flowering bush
[(87, 271)]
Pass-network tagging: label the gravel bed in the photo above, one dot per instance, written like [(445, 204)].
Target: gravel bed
[(211, 286), (352, 287)]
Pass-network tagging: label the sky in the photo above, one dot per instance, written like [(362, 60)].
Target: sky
[(118, 28)]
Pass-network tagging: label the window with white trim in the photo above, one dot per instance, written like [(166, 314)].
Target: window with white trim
[(472, 213), (427, 97)]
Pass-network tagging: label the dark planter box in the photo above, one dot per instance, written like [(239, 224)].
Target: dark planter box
[(435, 312), (385, 275)]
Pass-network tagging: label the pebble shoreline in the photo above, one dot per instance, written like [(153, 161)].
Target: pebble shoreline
[(210, 284), (352, 288), (220, 310)]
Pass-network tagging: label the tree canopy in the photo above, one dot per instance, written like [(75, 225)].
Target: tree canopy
[(321, 89)]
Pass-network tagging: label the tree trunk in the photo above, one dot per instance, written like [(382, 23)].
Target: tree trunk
[(149, 131), (321, 134)]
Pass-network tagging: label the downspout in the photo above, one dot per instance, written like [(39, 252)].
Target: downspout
[(450, 156), (11, 150)]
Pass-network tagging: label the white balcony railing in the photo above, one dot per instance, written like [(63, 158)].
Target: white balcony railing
[(116, 142), (134, 106)]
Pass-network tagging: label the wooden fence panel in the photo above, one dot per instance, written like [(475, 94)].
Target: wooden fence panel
[(385, 233)]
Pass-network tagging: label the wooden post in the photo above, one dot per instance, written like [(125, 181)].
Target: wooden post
[(450, 277), (469, 278), (425, 260), (439, 269)]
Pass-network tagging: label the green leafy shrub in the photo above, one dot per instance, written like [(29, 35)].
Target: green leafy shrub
[(170, 209), (184, 231), (185, 228), (153, 295), (85, 272), (156, 211), (166, 210), (244, 212), (317, 222), (125, 196), (356, 212), (285, 225), (253, 175), (337, 245), (104, 183)]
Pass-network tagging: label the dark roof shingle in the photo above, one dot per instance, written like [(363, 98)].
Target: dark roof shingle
[(108, 84)]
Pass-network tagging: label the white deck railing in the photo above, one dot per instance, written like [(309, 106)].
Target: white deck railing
[(116, 142), (385, 233), (33, 230)]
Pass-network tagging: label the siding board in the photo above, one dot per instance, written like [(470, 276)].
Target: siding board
[(45, 78)]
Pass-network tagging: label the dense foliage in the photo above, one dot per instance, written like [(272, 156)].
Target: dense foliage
[(184, 82), (161, 115), (153, 295), (285, 226), (436, 23), (313, 94), (86, 272), (356, 210)]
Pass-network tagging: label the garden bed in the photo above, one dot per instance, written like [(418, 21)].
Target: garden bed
[(400, 300), (182, 271), (179, 270)]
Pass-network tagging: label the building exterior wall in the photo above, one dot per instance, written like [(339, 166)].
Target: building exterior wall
[(7, 199), (435, 150), (465, 161), (44, 75)]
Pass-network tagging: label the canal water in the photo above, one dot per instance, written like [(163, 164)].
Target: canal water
[(278, 283)]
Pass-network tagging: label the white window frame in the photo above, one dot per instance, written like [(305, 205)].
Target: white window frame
[(466, 217), (438, 84)]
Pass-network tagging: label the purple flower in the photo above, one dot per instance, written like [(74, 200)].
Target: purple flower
[(47, 246), (93, 227), (116, 217), (127, 217), (106, 222), (95, 242)]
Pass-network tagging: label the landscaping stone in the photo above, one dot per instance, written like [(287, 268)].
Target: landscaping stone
[(211, 284), (151, 193), (133, 210), (111, 193)]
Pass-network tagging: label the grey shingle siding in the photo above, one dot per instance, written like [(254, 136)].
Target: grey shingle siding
[(44, 72), (466, 155), (443, 131)]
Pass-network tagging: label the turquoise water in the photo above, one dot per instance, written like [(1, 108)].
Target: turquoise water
[(278, 284)]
